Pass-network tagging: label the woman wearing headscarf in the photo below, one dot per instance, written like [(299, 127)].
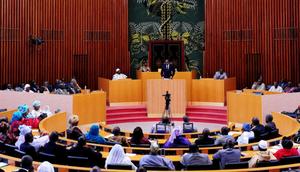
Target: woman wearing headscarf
[(73, 132), (138, 137), (37, 142), (117, 156), (176, 139), (94, 136), (45, 167), (246, 134)]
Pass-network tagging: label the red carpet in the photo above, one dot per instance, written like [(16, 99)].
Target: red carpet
[(126, 114)]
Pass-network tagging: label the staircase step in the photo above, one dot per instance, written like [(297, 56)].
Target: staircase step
[(126, 115), (205, 114)]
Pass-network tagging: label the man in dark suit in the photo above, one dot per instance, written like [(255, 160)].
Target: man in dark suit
[(27, 147), (168, 70)]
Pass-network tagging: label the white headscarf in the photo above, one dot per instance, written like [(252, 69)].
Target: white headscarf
[(118, 156), (174, 134), (24, 129), (45, 167), (37, 142)]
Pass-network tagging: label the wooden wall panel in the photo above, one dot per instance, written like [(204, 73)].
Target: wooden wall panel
[(96, 28), (235, 29)]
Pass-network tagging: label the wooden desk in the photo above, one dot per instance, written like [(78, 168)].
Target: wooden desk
[(8, 114), (122, 91), (187, 76), (156, 102), (242, 106), (211, 91), (56, 122), (90, 107)]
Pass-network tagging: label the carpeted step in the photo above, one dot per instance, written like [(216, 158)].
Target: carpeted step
[(206, 114), (117, 115)]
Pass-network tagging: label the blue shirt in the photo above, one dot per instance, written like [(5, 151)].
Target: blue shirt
[(156, 160), (228, 156), (218, 75)]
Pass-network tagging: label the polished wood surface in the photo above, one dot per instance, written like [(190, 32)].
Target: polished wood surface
[(8, 114), (235, 30), (187, 76), (123, 90), (286, 124), (90, 107), (95, 30), (65, 168), (211, 90), (243, 106), (56, 122), (156, 102)]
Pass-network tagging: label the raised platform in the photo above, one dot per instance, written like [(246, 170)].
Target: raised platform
[(138, 113)]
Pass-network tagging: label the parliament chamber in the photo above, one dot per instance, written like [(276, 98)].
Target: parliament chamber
[(149, 85)]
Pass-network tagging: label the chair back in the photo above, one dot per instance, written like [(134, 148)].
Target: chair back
[(156, 168), (119, 166), (199, 167), (188, 127), (47, 157), (236, 165), (289, 160), (161, 128), (10, 149), (19, 154), (78, 161), (267, 163)]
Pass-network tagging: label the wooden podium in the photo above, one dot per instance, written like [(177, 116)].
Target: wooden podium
[(156, 88)]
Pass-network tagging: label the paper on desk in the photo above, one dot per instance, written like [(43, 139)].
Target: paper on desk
[(130, 154)]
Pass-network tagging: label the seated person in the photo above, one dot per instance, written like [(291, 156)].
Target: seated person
[(73, 132), (117, 156), (270, 125), (94, 136), (176, 139), (194, 157), (5, 135), (26, 164), (168, 70), (45, 167), (164, 121), (52, 148), (27, 147), (155, 160), (144, 66), (220, 74), (138, 137), (81, 150), (186, 121), (296, 89), (118, 75), (276, 88), (228, 154), (257, 128), (75, 86), (37, 143), (36, 112), (287, 149), (288, 88), (262, 155), (258, 85), (22, 112), (205, 138), (221, 140), (246, 134), (117, 137)]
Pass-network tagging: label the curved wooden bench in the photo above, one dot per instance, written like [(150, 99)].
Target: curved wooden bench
[(8, 114), (65, 168), (47, 125)]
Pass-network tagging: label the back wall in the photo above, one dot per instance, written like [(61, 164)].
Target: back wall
[(83, 38), (252, 37)]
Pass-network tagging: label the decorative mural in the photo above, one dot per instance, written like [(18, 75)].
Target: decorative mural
[(167, 19)]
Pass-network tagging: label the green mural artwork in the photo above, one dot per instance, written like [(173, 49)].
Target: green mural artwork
[(186, 23)]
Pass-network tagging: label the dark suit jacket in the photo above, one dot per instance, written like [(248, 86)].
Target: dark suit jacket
[(28, 149), (205, 141), (54, 149), (258, 130), (167, 72), (93, 156)]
